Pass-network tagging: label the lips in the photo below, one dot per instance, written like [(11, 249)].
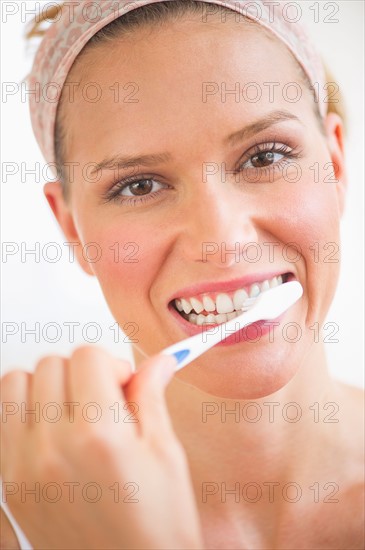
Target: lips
[(219, 304)]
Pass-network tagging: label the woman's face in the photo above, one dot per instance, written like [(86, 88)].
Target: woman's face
[(197, 226)]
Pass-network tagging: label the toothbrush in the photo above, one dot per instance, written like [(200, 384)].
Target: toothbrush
[(267, 306)]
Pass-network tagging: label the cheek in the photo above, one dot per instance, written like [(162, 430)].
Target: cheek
[(308, 225), (131, 256), (308, 213)]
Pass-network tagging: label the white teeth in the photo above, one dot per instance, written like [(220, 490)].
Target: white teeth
[(186, 306), (232, 315), (212, 319), (265, 286), (228, 308), (255, 291), (224, 304), (200, 320), (239, 298), (197, 305), (221, 318), (273, 282), (208, 303)]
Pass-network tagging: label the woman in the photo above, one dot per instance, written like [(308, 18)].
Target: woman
[(249, 447)]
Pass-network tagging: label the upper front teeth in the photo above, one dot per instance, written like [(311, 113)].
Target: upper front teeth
[(225, 303), (208, 303), (239, 298), (255, 290), (196, 305)]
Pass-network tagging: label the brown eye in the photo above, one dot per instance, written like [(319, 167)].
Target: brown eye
[(142, 187), (136, 191), (263, 159)]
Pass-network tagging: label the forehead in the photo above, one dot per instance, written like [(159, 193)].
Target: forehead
[(182, 76)]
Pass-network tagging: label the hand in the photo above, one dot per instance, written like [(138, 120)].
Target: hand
[(100, 456)]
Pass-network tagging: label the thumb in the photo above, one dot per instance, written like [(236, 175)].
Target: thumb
[(146, 389)]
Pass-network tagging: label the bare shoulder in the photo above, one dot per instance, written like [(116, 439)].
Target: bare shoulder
[(343, 511), (352, 404), (356, 405), (354, 392), (352, 506), (352, 417), (8, 539)]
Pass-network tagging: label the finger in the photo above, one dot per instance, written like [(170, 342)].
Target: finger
[(49, 390), (14, 391), (146, 389), (96, 381)]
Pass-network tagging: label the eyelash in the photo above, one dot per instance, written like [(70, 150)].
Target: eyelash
[(115, 193)]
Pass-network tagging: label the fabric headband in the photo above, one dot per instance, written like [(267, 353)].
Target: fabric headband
[(67, 36)]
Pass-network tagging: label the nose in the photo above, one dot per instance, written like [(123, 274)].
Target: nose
[(217, 224)]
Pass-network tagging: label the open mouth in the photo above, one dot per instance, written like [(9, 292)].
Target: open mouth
[(215, 308)]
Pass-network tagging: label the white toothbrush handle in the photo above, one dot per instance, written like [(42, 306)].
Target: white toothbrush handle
[(189, 349)]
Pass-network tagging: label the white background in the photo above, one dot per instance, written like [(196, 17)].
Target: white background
[(60, 292)]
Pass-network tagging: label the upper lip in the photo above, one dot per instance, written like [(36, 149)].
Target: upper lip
[(224, 286)]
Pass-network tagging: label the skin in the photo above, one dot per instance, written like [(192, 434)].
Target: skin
[(169, 231)]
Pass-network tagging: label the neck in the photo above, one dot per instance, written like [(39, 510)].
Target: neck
[(271, 438)]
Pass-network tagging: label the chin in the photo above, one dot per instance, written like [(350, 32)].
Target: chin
[(253, 375)]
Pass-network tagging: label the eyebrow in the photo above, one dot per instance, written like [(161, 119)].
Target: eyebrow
[(248, 131), (119, 162)]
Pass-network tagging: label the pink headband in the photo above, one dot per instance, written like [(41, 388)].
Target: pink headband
[(67, 36)]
